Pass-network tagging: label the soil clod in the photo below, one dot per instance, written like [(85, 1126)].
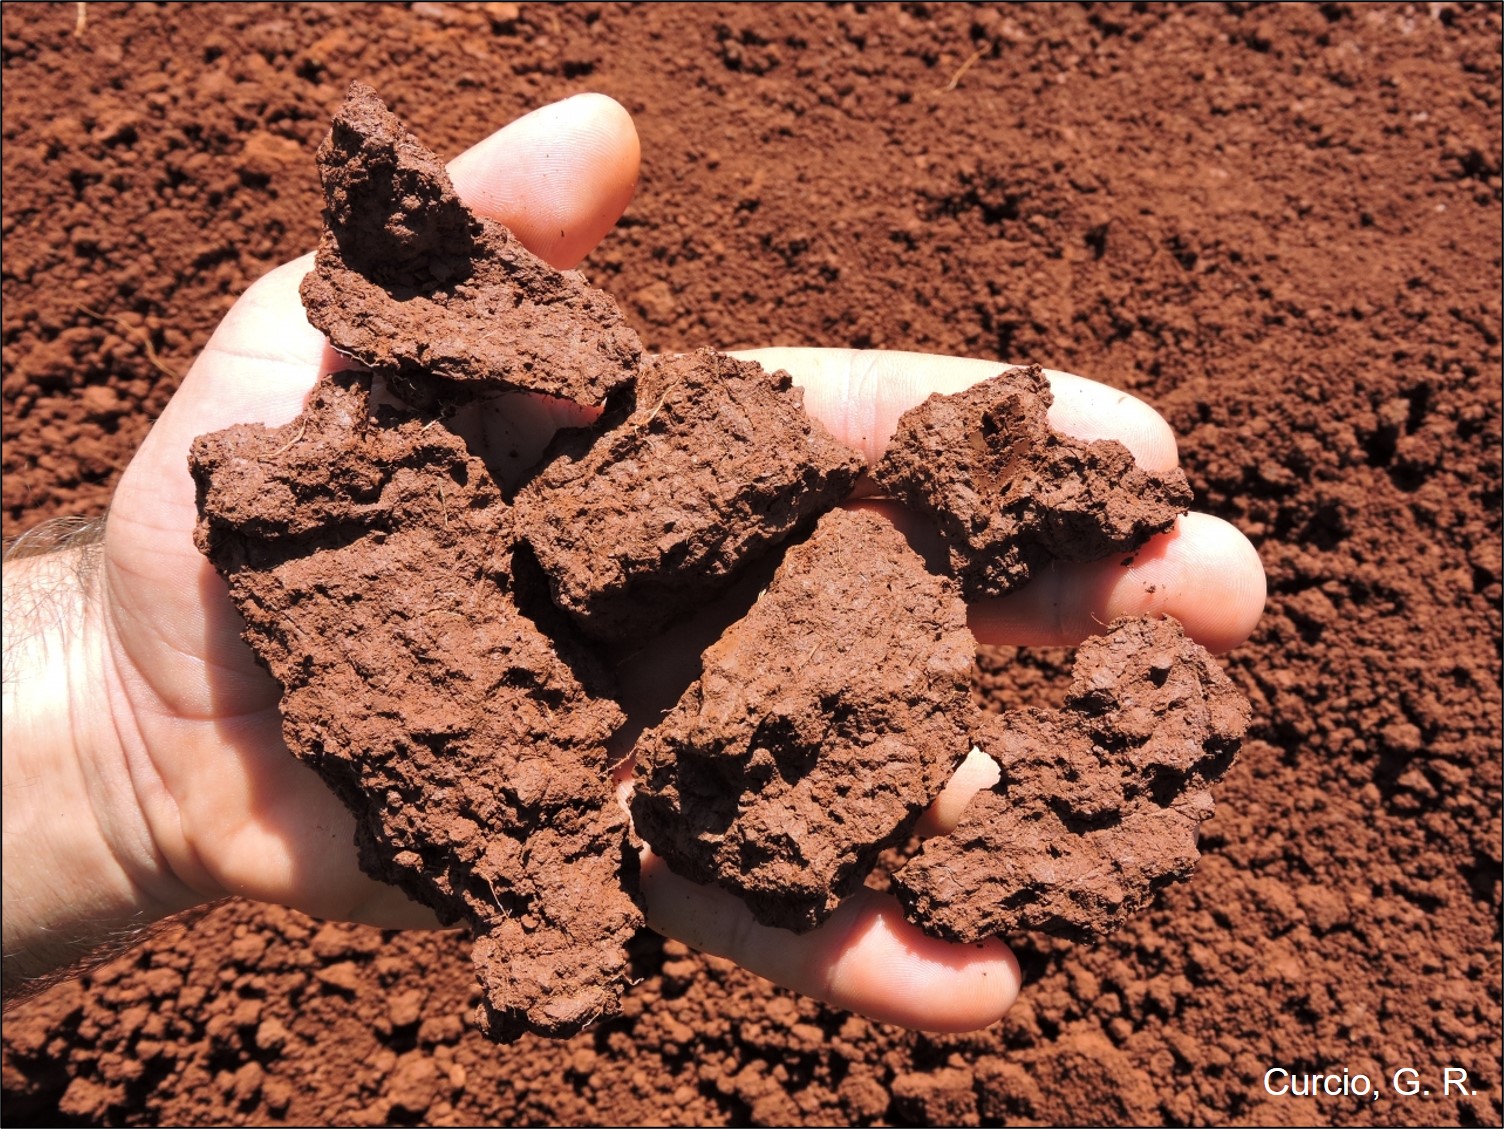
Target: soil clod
[(410, 280), (716, 465), (369, 555), (826, 720), (1009, 494), (417, 622), (1098, 804)]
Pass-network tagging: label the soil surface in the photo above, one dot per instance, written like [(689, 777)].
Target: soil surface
[(1280, 225)]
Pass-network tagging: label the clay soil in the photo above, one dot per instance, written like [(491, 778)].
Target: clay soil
[(1280, 225)]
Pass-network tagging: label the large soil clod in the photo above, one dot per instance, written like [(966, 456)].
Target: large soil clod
[(1098, 804), (369, 553), (1009, 494), (410, 281), (716, 465), (826, 720)]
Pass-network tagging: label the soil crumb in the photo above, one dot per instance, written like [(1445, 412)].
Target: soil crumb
[(1009, 494), (826, 720), (409, 280), (1099, 804), (369, 555), (716, 465)]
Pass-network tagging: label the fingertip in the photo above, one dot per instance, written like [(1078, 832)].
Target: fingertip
[(559, 177), (1089, 411), (866, 958), (604, 117), (892, 971), (974, 774), (1205, 573)]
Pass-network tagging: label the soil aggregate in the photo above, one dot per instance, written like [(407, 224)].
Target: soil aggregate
[(368, 553), (716, 465), (1098, 805), (1010, 495), (410, 281), (825, 721), (1277, 224)]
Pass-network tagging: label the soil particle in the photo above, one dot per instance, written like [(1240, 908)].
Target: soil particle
[(825, 721), (410, 280), (1098, 805), (368, 553), (715, 466), (1009, 494)]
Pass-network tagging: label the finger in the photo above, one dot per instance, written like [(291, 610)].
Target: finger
[(560, 177), (976, 772), (858, 394), (865, 959), (1203, 572)]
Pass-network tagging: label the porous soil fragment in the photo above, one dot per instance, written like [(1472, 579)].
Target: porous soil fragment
[(408, 279), (369, 554), (1009, 494), (1098, 804), (716, 464), (824, 722)]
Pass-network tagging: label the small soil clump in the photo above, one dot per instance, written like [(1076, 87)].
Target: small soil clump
[(410, 281), (825, 722), (369, 555), (1009, 494), (1098, 804), (717, 464)]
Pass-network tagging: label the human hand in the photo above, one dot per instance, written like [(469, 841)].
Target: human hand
[(222, 806)]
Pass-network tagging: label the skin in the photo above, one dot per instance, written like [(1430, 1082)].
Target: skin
[(144, 767)]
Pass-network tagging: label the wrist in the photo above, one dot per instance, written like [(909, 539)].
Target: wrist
[(81, 867)]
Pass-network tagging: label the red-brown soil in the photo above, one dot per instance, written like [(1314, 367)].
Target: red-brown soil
[(1097, 806), (1278, 224), (429, 687), (716, 465), (1009, 496), (822, 725), (369, 554), (409, 280)]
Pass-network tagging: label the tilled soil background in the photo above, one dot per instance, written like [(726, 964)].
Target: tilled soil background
[(1280, 225)]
